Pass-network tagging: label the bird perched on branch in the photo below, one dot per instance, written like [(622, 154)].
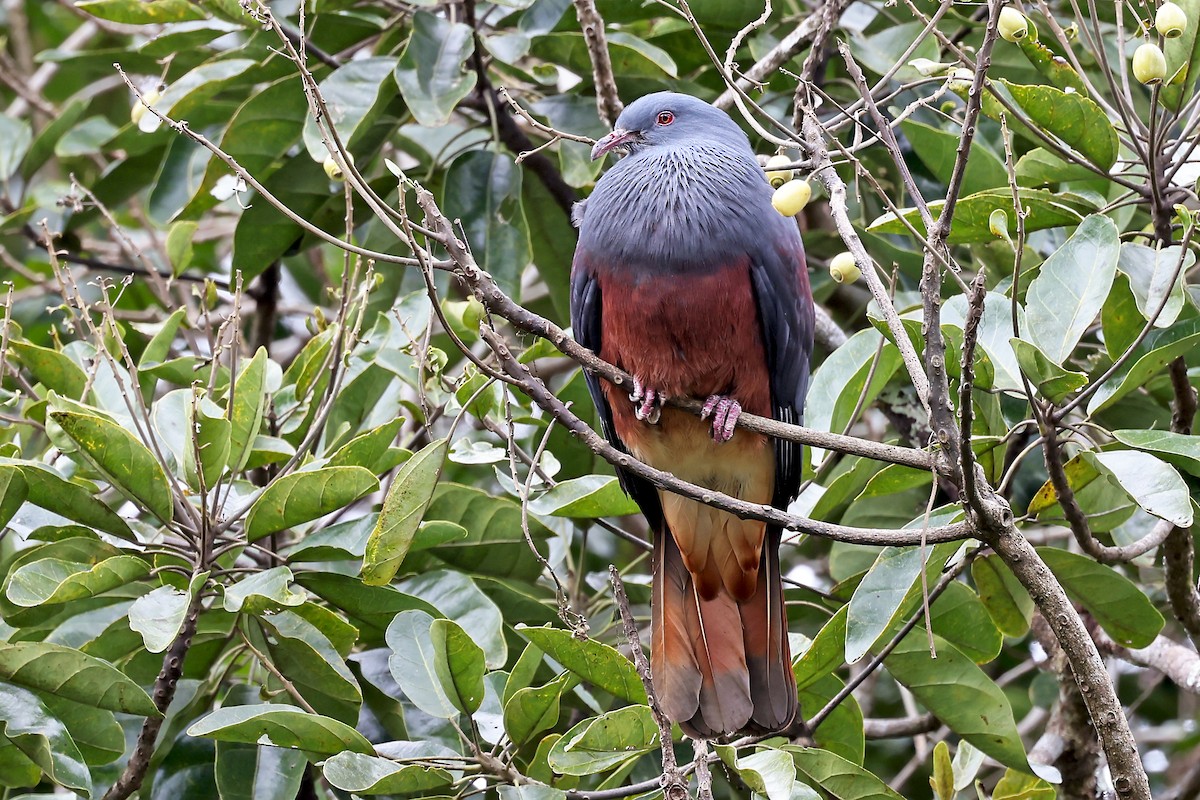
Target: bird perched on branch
[(688, 279)]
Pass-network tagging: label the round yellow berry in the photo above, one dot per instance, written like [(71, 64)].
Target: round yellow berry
[(333, 170), (1171, 20), (1149, 64), (140, 107), (844, 269), (776, 175), (1013, 25), (791, 197)]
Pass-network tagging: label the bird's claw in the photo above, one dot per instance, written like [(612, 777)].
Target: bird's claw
[(647, 402), (725, 412)]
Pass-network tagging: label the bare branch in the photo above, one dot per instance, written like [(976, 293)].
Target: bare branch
[(608, 102)]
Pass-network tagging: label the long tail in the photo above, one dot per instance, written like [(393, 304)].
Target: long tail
[(719, 666)]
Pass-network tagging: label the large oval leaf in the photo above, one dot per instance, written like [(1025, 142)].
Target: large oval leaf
[(68, 673), (304, 496), (281, 726), (1071, 287), (840, 778), (1121, 608), (960, 695), (368, 775), (431, 72), (50, 581), (403, 508), (123, 460), (603, 742), (1152, 483), (594, 662), (1157, 350), (351, 93)]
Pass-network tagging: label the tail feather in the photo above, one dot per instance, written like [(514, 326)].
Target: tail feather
[(720, 666), (673, 663), (769, 655)]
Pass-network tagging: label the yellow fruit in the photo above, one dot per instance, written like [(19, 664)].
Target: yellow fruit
[(844, 269), (1013, 25), (140, 107), (333, 170), (791, 197), (1149, 64), (775, 175), (1171, 20)]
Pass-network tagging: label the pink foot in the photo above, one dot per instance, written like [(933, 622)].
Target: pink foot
[(725, 412), (647, 402)]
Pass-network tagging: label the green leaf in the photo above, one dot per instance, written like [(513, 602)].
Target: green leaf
[(825, 653), (1072, 117), (887, 592), (371, 449), (1054, 68), (253, 772), (158, 616), (995, 335), (13, 492), (209, 442), (1121, 608), (1064, 299), (457, 597), (1179, 449), (1016, 785), (1152, 483), (304, 496), (306, 657), (483, 190), (839, 382), (1158, 349), (594, 662), (263, 128), (413, 664), (530, 711), (971, 215), (1053, 381), (960, 695), (495, 544), (403, 508), (142, 12), (352, 92), (769, 772), (51, 581), (95, 731), (368, 775), (1040, 167), (630, 56), (53, 369), (28, 724), (1183, 58), (458, 662), (245, 409), (281, 726), (837, 776), (589, 497), (1006, 601), (263, 234), (124, 461), (180, 251), (15, 137), (260, 591), (938, 149), (961, 618), (192, 89), (1150, 272), (73, 675), (603, 742), (432, 73)]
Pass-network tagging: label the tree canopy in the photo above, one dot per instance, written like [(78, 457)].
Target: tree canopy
[(301, 492)]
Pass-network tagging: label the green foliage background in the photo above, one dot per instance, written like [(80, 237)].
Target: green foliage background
[(236, 454)]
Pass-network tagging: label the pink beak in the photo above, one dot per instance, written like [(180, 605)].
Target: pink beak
[(612, 141)]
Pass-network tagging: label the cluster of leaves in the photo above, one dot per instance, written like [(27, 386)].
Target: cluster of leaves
[(306, 549)]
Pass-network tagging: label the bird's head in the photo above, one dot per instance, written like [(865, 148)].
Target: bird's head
[(666, 119)]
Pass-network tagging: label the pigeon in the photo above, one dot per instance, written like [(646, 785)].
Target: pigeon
[(688, 279)]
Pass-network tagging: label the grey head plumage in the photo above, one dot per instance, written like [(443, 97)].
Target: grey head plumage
[(689, 195)]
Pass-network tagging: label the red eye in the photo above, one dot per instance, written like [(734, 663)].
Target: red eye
[(665, 118)]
